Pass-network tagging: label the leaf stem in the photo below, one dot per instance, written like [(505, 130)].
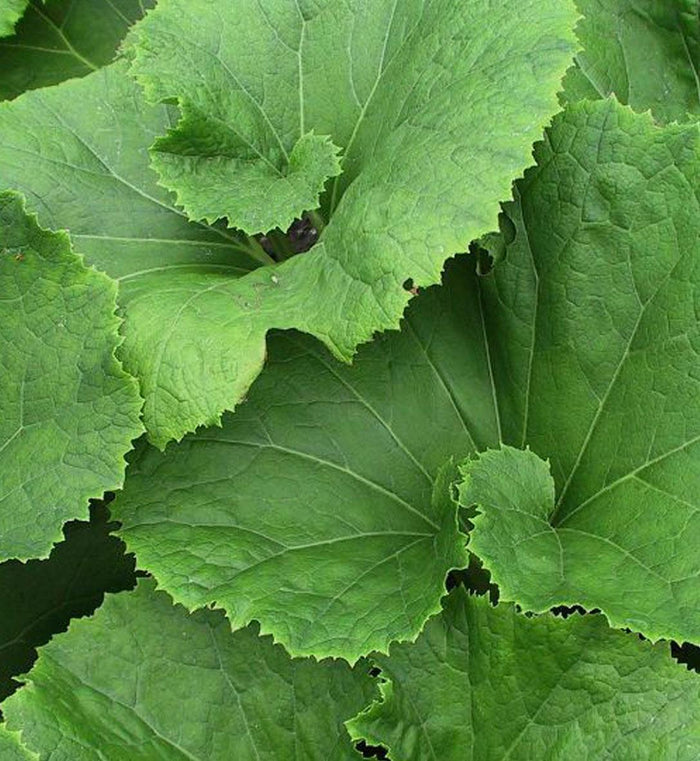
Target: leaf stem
[(257, 252), (317, 220)]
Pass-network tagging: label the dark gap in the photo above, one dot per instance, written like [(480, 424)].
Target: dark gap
[(475, 578), (484, 259), (564, 611), (301, 236), (687, 654), (372, 751)]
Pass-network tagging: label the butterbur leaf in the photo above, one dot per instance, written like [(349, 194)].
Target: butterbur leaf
[(38, 598), (594, 341), (143, 679), (404, 89), (645, 52), (255, 194), (319, 509), (485, 682), (62, 39), (68, 412), (11, 748), (123, 223), (10, 12), (542, 563)]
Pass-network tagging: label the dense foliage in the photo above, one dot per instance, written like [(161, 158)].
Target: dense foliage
[(349, 356)]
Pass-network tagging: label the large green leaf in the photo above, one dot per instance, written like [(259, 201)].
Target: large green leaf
[(646, 52), (63, 39), (59, 148), (435, 105), (38, 598), (319, 509), (489, 683), (68, 412), (594, 335), (10, 12), (144, 680), (542, 563)]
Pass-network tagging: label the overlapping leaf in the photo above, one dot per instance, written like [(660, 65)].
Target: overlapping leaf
[(319, 509), (556, 350), (63, 39), (38, 598), (427, 177), (143, 679), (11, 749), (646, 52), (68, 412), (10, 12), (489, 683), (595, 341)]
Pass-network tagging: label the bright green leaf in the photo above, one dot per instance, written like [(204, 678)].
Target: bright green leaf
[(144, 680), (68, 412), (407, 100), (11, 749), (10, 13), (594, 337), (59, 148), (489, 683), (38, 598), (646, 52), (63, 39), (319, 509)]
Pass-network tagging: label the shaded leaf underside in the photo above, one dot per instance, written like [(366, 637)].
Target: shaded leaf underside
[(63, 39)]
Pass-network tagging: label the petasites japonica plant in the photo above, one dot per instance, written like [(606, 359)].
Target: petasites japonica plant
[(242, 353)]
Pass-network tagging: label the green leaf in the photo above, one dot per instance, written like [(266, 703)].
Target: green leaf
[(10, 13), (407, 103), (68, 412), (59, 148), (142, 679), (646, 52), (38, 599), (256, 195), (63, 39), (319, 509), (542, 564), (489, 683), (594, 338), (11, 749)]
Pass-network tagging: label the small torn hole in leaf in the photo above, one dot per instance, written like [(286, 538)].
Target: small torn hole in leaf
[(410, 287)]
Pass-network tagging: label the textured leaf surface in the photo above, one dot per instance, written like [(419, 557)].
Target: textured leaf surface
[(11, 748), (646, 52), (10, 12), (543, 565), (318, 509), (593, 328), (68, 411), (405, 89), (143, 679), (488, 683), (63, 39), (59, 148), (38, 599)]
